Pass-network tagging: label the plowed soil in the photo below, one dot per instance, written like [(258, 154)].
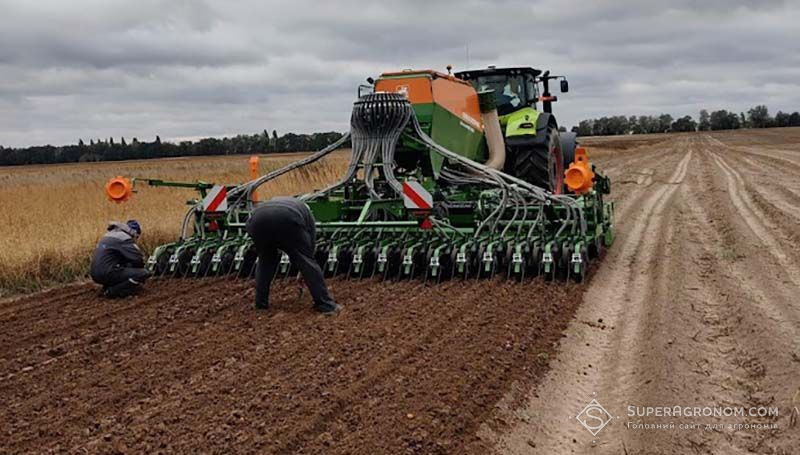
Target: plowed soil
[(694, 305), (190, 366)]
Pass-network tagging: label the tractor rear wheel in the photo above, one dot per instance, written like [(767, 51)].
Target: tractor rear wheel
[(542, 162)]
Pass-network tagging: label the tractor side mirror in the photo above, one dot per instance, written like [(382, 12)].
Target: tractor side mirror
[(564, 86)]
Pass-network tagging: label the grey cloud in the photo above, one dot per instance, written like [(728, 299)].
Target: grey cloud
[(99, 68)]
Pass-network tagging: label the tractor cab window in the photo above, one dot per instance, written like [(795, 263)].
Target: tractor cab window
[(533, 90), (508, 90)]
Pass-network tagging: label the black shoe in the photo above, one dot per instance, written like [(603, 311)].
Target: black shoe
[(262, 307), (328, 309)]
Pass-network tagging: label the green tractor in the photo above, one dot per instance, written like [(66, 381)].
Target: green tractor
[(451, 176), (536, 150)]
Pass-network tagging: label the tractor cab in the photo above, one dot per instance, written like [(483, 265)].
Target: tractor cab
[(535, 150), (515, 88)]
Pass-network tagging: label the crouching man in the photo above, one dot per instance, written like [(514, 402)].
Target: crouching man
[(118, 263), (287, 224)]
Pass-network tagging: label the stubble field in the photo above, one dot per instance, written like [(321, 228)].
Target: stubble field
[(53, 215)]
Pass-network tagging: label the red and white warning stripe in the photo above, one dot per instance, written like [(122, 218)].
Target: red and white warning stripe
[(416, 197), (216, 200)]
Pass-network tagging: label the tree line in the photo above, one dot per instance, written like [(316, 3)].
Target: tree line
[(243, 144), (756, 117), (115, 150)]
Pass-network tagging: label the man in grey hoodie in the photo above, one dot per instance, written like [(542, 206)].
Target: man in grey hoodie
[(118, 263), (286, 224)]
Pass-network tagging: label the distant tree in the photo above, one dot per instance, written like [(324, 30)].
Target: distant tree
[(758, 117), (704, 121), (158, 140), (633, 125), (743, 123), (781, 119), (80, 143), (274, 144), (734, 121), (724, 120), (684, 124), (794, 119), (620, 125), (646, 124), (585, 128), (122, 141), (664, 123), (111, 141), (266, 141)]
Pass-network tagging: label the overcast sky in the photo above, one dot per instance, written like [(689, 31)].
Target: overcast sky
[(187, 69)]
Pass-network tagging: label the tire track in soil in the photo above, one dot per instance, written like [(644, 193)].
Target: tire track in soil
[(755, 219), (770, 192), (725, 333), (609, 317), (624, 167), (767, 188), (784, 158), (757, 320)]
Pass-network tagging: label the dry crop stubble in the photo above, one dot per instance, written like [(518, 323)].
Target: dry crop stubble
[(52, 215)]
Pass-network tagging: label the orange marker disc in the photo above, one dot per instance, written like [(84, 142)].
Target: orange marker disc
[(579, 177), (119, 189)]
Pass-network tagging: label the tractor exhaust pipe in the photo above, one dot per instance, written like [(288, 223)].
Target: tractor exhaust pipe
[(492, 130)]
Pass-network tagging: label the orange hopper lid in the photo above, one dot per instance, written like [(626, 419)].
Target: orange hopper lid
[(119, 189)]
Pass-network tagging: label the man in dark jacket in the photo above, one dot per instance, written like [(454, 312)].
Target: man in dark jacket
[(118, 263), (286, 224)]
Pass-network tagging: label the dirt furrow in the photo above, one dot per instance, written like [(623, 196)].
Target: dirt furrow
[(234, 378), (106, 331), (15, 308)]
